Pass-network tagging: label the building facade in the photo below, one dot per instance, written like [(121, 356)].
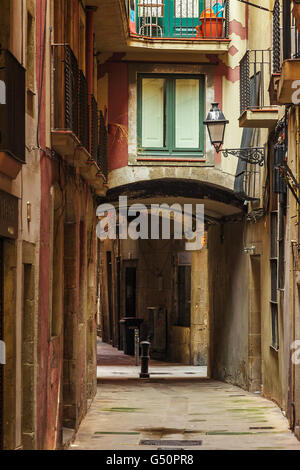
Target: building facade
[(106, 99), (51, 173)]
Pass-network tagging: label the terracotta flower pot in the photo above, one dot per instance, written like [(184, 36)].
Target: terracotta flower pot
[(199, 32), (212, 27)]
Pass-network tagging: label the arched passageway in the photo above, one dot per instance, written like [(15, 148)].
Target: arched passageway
[(169, 287)]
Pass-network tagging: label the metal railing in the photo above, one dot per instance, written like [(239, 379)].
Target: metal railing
[(74, 108), (84, 135), (197, 19), (12, 106), (251, 183), (94, 128), (255, 73), (66, 89), (102, 146), (286, 38)]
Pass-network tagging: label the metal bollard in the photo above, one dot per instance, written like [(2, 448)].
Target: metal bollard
[(145, 360), (136, 345)]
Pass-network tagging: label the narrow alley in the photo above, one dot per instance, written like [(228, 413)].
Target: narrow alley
[(176, 412), (149, 216)]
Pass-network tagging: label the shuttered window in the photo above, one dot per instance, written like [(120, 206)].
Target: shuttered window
[(187, 113), (170, 115), (153, 112)]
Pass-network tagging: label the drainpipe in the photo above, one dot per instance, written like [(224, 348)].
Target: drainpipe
[(89, 57)]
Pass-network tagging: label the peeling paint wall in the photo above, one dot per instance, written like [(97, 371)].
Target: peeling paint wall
[(240, 334)]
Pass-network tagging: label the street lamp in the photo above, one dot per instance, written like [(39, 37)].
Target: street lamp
[(216, 124)]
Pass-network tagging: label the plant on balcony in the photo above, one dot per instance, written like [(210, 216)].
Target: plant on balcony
[(211, 22)]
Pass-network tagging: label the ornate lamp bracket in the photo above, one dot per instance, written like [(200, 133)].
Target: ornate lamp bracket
[(254, 155)]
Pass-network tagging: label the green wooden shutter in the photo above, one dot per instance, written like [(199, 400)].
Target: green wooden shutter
[(187, 113), (153, 112)]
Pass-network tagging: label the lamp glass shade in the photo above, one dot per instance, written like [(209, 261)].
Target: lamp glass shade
[(216, 132), (216, 124)]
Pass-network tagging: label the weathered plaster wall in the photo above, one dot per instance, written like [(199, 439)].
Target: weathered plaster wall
[(118, 115), (26, 186), (291, 310), (67, 275), (228, 304), (9, 328), (273, 364), (235, 342), (200, 308)]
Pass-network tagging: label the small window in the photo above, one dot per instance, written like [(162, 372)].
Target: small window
[(170, 115)]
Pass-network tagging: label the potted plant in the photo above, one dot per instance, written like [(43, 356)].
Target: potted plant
[(211, 22)]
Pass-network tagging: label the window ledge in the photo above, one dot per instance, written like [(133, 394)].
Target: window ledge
[(170, 159)]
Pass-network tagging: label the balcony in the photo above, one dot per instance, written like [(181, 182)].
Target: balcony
[(12, 115), (75, 130), (177, 24), (255, 107), (248, 183), (286, 55)]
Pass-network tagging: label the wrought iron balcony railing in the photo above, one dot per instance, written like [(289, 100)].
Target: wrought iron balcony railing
[(12, 106), (286, 38), (179, 19), (84, 134), (66, 89), (102, 146), (255, 73), (74, 109)]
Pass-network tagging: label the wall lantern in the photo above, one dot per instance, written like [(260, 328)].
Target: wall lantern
[(216, 124)]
